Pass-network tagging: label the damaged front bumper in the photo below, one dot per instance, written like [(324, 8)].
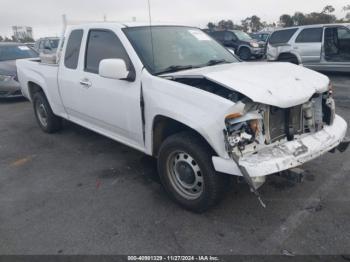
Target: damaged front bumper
[(287, 155)]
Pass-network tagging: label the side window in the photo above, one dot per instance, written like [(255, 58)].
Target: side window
[(101, 45), (71, 56), (229, 36), (47, 44), (41, 45), (282, 36), (343, 33), (219, 36), (310, 35)]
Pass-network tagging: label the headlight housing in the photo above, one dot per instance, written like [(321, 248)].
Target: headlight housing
[(5, 78), (243, 130), (255, 45)]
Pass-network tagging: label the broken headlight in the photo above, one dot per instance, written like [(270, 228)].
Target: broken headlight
[(243, 131)]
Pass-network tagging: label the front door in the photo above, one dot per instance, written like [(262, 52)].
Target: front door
[(109, 106)]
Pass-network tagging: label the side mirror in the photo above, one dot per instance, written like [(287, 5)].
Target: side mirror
[(114, 69)]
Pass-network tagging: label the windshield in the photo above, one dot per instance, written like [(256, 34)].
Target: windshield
[(176, 48), (13, 52), (242, 36)]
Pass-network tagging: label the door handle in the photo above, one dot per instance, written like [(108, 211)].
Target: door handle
[(85, 83)]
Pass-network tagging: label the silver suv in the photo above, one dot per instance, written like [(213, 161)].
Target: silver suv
[(320, 47)]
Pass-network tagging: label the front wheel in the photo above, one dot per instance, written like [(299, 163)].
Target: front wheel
[(244, 53), (187, 173), (46, 119)]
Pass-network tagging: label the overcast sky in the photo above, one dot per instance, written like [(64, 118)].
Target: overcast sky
[(45, 15)]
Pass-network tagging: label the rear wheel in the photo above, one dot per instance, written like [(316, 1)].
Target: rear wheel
[(187, 173), (46, 119)]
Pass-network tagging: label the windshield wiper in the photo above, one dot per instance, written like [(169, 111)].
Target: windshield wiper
[(216, 62), (175, 68)]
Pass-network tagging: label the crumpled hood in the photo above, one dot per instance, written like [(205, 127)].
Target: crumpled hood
[(8, 68), (278, 84)]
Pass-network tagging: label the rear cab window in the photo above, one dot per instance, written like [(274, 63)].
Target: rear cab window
[(71, 56), (103, 44), (310, 35), (282, 36)]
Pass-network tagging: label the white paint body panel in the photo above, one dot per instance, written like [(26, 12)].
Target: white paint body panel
[(279, 84), (283, 156), (112, 107)]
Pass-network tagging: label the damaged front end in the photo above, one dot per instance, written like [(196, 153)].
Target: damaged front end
[(272, 131), (264, 133)]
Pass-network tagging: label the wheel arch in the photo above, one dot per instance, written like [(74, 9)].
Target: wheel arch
[(165, 126), (289, 55), (243, 46), (34, 88)]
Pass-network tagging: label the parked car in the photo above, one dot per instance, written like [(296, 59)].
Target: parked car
[(47, 45), (261, 36), (9, 52), (320, 47), (191, 104), (243, 45)]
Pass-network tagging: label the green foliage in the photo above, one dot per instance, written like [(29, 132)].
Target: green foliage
[(299, 18), (286, 20), (253, 23), (225, 25)]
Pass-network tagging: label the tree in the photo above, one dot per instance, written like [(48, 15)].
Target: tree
[(1, 39), (245, 24), (252, 23), (7, 39), (226, 25), (328, 9), (299, 18), (255, 23), (347, 15), (319, 18), (27, 39), (286, 20), (211, 26)]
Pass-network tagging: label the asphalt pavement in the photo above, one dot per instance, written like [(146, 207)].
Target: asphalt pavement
[(77, 192)]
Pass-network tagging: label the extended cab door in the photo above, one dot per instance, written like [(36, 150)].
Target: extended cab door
[(108, 106)]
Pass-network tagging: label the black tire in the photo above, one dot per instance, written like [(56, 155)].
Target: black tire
[(50, 123), (244, 53), (289, 59), (213, 185)]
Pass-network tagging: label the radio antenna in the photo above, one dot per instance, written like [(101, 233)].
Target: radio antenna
[(150, 28)]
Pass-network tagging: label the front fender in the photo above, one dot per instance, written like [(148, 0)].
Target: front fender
[(199, 110)]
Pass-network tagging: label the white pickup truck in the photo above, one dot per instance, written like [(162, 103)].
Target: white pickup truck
[(174, 93)]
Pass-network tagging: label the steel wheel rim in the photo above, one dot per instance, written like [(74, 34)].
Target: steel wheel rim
[(185, 175), (41, 113)]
